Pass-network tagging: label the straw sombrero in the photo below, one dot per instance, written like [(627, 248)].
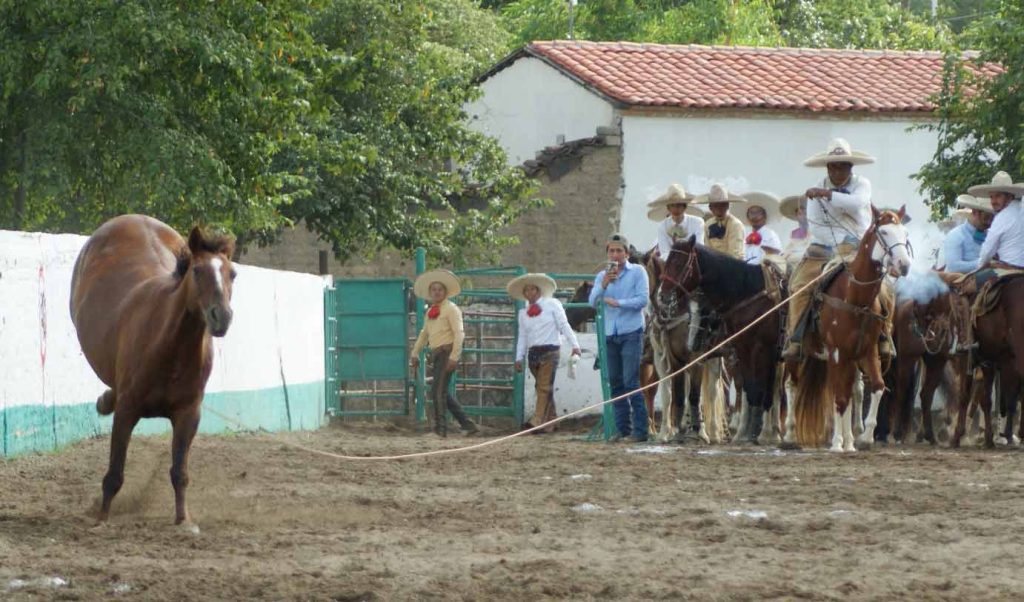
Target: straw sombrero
[(718, 194), (839, 151), (658, 208), (1001, 182), (768, 202), (789, 205), (955, 219), (968, 201), (422, 285), (542, 281)]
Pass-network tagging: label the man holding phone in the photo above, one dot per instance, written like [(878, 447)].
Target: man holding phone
[(622, 288)]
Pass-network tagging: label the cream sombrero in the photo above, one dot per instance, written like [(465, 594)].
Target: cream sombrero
[(789, 205), (542, 281), (968, 201), (1001, 182), (839, 151), (422, 285), (764, 200), (718, 194), (955, 219), (658, 208)]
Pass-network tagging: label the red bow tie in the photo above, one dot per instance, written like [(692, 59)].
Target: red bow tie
[(434, 312), (754, 238), (533, 311)]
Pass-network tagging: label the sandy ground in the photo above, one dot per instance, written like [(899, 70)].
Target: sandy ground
[(546, 517)]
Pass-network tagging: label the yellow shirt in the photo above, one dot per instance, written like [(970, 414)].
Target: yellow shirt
[(732, 243), (446, 329)]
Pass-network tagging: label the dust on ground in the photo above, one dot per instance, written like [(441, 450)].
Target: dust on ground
[(540, 517)]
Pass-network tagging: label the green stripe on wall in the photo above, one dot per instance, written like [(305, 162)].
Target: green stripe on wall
[(39, 428)]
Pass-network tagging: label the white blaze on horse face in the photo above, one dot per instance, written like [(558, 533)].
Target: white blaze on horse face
[(216, 264), (891, 248)]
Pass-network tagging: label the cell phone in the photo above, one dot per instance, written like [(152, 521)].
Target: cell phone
[(612, 266)]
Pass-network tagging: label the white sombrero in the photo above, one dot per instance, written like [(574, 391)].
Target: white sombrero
[(544, 282), (968, 201), (1001, 182), (422, 285), (768, 202), (658, 208), (718, 194), (789, 205), (955, 219), (839, 151)]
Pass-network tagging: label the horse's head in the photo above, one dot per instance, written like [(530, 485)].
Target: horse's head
[(891, 248), (578, 316), (206, 265), (682, 269)]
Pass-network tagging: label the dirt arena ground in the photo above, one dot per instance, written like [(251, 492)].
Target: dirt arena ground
[(548, 517)]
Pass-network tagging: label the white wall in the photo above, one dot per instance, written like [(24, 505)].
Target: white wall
[(767, 154), (570, 393), (529, 104), (276, 336)]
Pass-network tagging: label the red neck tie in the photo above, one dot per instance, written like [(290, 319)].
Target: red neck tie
[(434, 312), (533, 311)]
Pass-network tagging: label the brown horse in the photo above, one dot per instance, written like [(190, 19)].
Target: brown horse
[(145, 304), (924, 333), (1000, 346), (738, 293), (850, 324)]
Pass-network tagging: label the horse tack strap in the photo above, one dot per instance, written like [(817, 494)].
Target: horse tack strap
[(837, 303), (772, 281), (745, 303)]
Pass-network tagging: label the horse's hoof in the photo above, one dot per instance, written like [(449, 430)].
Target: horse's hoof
[(188, 528), (862, 445), (836, 449)]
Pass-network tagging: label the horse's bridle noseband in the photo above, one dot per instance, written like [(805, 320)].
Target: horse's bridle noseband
[(691, 266)]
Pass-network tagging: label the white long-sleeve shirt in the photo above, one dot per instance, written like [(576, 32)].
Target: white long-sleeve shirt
[(754, 254), (1005, 237), (690, 225), (844, 218), (543, 329)]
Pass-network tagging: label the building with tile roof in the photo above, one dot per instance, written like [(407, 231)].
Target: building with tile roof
[(696, 115)]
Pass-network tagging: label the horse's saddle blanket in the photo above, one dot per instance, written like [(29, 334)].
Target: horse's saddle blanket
[(992, 291)]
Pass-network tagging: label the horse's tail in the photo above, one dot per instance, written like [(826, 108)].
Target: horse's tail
[(813, 400)]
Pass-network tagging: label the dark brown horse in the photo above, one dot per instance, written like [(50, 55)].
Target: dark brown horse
[(850, 323), (145, 304), (1000, 346), (737, 292)]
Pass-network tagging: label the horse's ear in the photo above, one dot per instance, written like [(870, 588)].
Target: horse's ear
[(195, 240), (692, 241), (902, 212), (184, 261), (874, 213), (229, 248)]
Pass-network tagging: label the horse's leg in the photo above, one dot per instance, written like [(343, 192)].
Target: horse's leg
[(185, 424), (872, 367), (842, 378), (965, 388), (985, 402), (1009, 384), (120, 435), (789, 436), (857, 402), (773, 415), (933, 366), (647, 376)]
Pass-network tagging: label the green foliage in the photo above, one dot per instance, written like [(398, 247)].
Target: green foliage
[(343, 114), (979, 128)]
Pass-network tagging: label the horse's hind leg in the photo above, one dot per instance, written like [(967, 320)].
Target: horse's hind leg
[(932, 373), (120, 435), (185, 425)]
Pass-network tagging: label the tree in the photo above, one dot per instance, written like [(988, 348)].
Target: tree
[(979, 129), (165, 108)]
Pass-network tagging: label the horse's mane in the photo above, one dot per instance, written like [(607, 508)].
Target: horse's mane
[(202, 241), (726, 277)]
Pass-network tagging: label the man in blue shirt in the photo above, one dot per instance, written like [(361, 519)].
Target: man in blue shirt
[(622, 288), (963, 243)]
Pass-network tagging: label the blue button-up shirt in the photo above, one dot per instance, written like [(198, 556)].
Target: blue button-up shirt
[(630, 290), (961, 250)]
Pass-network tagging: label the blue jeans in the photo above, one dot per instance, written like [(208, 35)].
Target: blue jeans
[(624, 375)]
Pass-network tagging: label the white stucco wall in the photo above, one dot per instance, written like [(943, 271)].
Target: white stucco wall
[(275, 340), (529, 104), (767, 154)]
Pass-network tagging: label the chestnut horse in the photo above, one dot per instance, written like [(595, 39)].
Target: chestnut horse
[(849, 326), (738, 293), (1000, 346), (145, 304)]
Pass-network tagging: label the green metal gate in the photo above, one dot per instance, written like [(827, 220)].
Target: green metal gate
[(367, 352)]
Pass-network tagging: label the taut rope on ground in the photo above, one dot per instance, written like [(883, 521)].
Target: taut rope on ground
[(490, 442)]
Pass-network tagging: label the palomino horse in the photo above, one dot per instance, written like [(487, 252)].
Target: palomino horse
[(145, 304), (1000, 345), (850, 324), (737, 292), (924, 334), (667, 332)]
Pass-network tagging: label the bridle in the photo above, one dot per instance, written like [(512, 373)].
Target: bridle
[(691, 267), (876, 229)]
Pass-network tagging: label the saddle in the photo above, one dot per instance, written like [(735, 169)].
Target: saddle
[(808, 321), (992, 290)]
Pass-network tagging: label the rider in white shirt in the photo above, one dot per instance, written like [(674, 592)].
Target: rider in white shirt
[(681, 221), (761, 240)]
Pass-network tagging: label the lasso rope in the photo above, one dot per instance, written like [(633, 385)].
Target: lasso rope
[(489, 442)]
